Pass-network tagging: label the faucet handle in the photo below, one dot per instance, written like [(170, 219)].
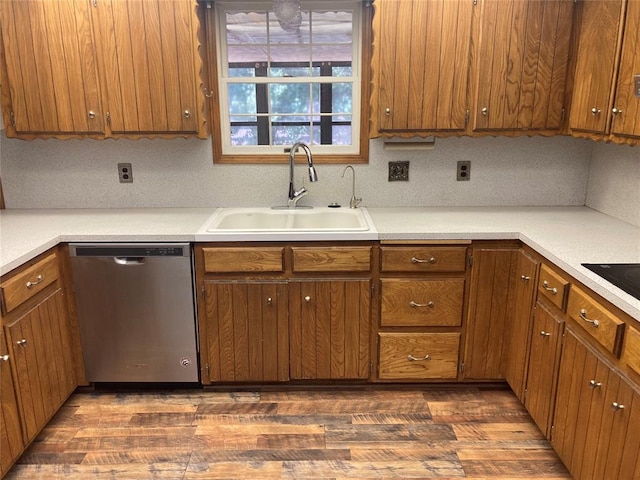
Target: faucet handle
[(354, 202)]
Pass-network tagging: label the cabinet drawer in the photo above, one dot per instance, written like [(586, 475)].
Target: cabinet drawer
[(553, 287), (30, 281), (223, 259), (599, 322), (423, 259), (418, 355), (422, 303), (631, 352), (331, 259)]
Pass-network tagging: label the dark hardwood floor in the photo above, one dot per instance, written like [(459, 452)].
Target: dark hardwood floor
[(373, 433)]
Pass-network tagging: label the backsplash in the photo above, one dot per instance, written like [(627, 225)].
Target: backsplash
[(180, 173)]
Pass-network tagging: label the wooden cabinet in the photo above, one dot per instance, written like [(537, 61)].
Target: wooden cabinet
[(11, 441), (51, 68), (330, 322), (604, 97), (420, 66), (521, 64), (106, 68), (518, 328), (596, 417), (544, 356), (278, 312), (491, 299), (422, 296)]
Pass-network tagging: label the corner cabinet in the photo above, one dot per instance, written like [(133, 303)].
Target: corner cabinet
[(420, 66), (605, 104), (280, 312), (103, 68), (522, 57)]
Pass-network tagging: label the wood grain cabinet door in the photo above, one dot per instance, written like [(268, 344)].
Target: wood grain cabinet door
[(546, 341), (330, 325), (11, 442), (595, 65), (522, 64), (247, 331), (51, 67), (626, 116), (151, 65), (421, 64)]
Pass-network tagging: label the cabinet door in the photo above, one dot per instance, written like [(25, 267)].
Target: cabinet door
[(595, 64), (41, 347), (490, 306), (51, 66), (248, 335), (422, 64), (11, 442), (518, 328), (627, 102), (330, 326), (543, 361), (522, 62), (151, 65)]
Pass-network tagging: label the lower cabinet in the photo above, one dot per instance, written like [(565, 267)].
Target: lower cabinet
[(597, 414), (11, 441)]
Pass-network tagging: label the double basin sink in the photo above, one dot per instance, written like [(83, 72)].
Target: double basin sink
[(289, 224)]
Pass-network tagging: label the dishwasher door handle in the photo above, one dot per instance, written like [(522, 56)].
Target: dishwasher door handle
[(129, 260)]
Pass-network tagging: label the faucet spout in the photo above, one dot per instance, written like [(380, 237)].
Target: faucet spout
[(295, 195), (355, 201)]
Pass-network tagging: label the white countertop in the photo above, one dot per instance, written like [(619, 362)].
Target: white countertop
[(567, 236)]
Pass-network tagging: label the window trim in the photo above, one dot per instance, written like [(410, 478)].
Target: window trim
[(216, 117)]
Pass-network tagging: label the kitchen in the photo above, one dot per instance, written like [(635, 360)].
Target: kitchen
[(563, 173)]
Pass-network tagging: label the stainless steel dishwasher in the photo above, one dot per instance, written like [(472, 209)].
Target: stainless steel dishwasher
[(136, 311)]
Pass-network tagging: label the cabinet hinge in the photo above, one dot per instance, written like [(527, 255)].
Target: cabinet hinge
[(12, 119), (461, 367), (95, 3), (475, 2), (370, 367), (203, 290), (108, 119), (562, 114), (466, 118), (470, 260), (206, 369)]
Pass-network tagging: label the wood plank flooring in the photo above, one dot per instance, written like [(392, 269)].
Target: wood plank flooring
[(373, 433)]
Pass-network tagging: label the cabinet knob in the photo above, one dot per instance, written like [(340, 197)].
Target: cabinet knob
[(594, 384), (615, 111), (595, 111), (544, 334), (617, 406), (187, 114), (269, 301), (22, 343), (92, 114), (484, 111), (307, 299), (525, 278), (387, 112), (4, 358)]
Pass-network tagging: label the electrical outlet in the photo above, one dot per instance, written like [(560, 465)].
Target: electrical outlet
[(464, 171), (398, 171), (125, 173)]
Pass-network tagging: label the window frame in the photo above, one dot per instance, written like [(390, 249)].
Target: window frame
[(218, 118)]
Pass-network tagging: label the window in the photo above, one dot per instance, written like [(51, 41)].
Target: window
[(288, 71)]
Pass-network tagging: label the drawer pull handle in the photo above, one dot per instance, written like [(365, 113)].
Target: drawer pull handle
[(22, 343), (307, 299), (39, 279), (411, 358), (546, 286), (544, 334), (4, 358), (594, 384), (583, 316), (617, 406), (419, 260), (525, 278), (414, 304)]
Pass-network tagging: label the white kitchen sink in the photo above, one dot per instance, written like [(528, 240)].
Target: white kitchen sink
[(289, 224)]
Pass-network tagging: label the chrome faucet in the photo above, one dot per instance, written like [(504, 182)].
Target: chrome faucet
[(355, 201), (295, 195)]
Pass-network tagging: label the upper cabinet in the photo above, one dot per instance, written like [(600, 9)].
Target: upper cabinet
[(605, 99), (101, 68), (51, 68), (521, 64), (420, 66)]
